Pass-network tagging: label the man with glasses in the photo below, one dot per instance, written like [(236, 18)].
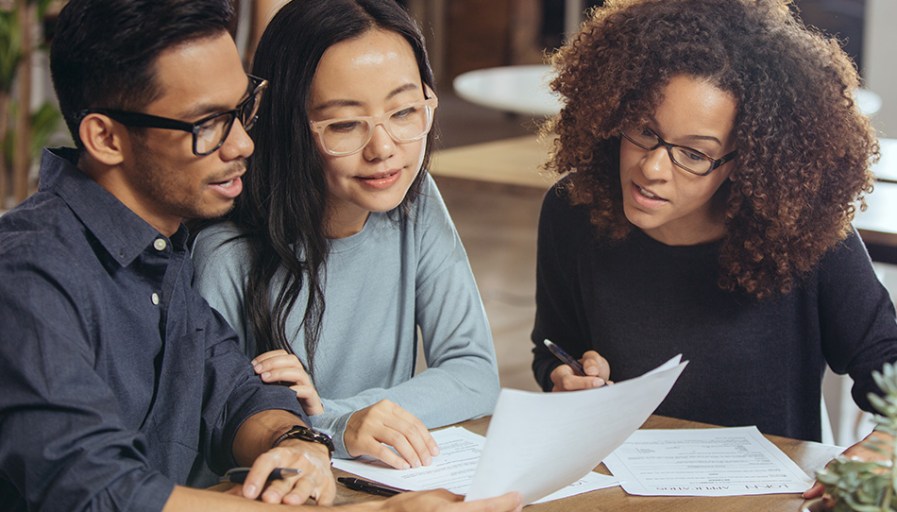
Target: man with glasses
[(118, 379)]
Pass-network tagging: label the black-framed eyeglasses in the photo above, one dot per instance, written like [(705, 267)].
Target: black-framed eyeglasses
[(684, 157), (210, 132)]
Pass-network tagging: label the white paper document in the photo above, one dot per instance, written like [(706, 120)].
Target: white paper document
[(704, 462), (538, 443), (454, 468)]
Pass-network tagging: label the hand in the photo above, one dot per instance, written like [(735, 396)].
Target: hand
[(857, 451), (372, 430), (441, 500), (597, 372), (315, 480), (281, 366)]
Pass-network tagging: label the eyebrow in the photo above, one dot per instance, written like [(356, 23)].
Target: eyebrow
[(353, 103), (694, 137), (206, 109)]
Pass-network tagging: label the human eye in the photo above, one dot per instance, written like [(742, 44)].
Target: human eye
[(405, 112), (344, 126), (693, 155)]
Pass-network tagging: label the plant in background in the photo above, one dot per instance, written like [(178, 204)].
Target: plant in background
[(22, 132), (869, 486)]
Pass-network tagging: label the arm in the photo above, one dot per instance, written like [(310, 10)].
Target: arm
[(858, 325), (461, 380), (184, 499), (65, 443), (858, 328), (563, 234)]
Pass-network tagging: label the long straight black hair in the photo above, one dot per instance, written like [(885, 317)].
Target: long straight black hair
[(283, 206)]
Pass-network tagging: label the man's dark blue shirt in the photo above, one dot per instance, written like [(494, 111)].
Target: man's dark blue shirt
[(116, 377)]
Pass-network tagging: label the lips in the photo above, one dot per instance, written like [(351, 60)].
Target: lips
[(380, 180), (230, 188), (646, 198)]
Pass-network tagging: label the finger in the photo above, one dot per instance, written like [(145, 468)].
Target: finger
[(504, 503), (292, 375), (268, 355), (300, 488), (371, 446), (401, 443), (416, 434), (813, 492), (309, 399), (565, 380), (575, 383), (257, 477), (595, 365)]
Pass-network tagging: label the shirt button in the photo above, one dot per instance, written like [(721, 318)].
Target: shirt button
[(160, 244), (155, 298)]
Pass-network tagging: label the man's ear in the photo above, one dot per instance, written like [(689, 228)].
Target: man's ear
[(102, 138)]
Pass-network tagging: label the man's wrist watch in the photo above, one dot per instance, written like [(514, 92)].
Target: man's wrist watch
[(306, 434)]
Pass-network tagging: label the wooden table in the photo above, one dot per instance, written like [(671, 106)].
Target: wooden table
[(518, 162), (809, 456)]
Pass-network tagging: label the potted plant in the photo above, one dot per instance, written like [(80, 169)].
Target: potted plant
[(867, 486), (23, 130)]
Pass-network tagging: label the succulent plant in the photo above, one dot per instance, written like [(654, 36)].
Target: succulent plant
[(869, 486)]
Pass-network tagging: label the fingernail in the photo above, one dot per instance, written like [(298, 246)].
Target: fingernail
[(256, 367), (405, 465), (249, 491), (266, 375)]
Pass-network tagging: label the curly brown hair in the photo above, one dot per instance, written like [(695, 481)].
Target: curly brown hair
[(804, 149)]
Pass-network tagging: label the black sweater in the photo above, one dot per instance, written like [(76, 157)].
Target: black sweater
[(639, 302)]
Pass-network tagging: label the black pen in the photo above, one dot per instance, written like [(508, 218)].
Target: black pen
[(357, 484), (565, 358), (238, 475)]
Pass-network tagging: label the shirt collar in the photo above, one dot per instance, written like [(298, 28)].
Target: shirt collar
[(119, 230)]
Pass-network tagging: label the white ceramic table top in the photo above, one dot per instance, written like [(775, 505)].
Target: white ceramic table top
[(524, 90)]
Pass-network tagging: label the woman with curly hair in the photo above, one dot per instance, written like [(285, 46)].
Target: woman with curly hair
[(713, 154)]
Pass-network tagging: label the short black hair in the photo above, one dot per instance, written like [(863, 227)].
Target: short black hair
[(104, 51)]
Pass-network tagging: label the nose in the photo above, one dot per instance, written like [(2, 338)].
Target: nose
[(657, 163), (381, 146), (238, 144)]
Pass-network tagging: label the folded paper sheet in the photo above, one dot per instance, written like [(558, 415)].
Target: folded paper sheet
[(453, 468), (538, 443)]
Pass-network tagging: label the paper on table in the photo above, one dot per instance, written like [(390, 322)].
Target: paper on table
[(453, 469), (538, 443), (704, 462)]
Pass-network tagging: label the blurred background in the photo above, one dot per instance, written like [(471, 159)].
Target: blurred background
[(492, 100)]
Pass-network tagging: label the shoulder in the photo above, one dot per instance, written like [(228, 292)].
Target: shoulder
[(40, 231), (220, 249), (561, 219), (221, 240)]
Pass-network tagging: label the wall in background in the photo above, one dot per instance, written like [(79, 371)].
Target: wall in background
[(880, 42)]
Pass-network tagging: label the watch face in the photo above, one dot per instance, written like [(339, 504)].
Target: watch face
[(307, 434)]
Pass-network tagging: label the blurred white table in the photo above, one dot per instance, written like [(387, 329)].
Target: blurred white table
[(525, 90), (517, 89)]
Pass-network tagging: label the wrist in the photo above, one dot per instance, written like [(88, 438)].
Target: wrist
[(301, 433)]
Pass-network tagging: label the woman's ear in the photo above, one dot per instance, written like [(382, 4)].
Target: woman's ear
[(102, 138)]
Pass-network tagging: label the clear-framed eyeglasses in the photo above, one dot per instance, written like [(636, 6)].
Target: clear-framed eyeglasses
[(210, 132), (347, 135), (684, 157)]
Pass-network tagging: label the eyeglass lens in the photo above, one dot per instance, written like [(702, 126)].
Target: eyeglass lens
[(211, 134), (405, 124), (689, 159)]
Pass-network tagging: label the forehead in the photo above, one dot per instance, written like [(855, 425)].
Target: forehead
[(200, 73), (694, 106), (365, 68)]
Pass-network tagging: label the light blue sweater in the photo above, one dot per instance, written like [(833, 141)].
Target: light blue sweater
[(381, 285)]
